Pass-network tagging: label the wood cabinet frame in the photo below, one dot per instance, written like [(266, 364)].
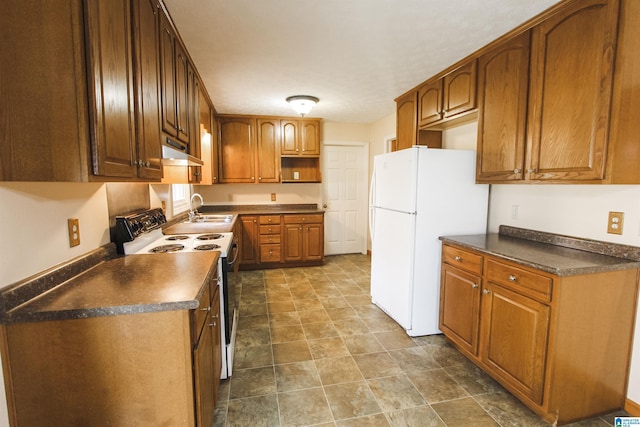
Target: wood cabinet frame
[(545, 338)]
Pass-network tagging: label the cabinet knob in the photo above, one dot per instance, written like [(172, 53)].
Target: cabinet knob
[(458, 258), (486, 291), (259, 178), (474, 285), (252, 178), (269, 220), (269, 229), (512, 278), (532, 170), (516, 171), (205, 309)]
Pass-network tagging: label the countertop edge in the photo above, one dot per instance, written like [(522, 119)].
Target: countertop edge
[(43, 316), (625, 263)]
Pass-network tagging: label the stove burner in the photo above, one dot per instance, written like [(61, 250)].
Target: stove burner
[(209, 236), (207, 247), (177, 238), (167, 248)]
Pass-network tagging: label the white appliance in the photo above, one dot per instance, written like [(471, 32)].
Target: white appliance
[(140, 233), (417, 195)]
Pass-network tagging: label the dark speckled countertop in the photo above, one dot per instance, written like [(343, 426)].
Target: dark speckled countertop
[(552, 253), (122, 285)]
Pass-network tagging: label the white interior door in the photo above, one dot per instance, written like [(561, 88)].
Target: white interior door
[(345, 193)]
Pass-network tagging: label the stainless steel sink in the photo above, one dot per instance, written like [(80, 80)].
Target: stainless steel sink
[(215, 218)]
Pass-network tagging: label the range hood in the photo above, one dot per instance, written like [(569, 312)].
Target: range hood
[(175, 154)]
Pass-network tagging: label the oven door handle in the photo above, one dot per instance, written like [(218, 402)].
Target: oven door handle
[(235, 258)]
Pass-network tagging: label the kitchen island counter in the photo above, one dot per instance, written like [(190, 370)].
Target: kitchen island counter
[(551, 253)]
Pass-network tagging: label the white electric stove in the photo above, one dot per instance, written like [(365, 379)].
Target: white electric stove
[(141, 233)]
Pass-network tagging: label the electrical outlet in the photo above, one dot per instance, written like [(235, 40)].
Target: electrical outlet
[(615, 222), (515, 211), (74, 231), (273, 197)]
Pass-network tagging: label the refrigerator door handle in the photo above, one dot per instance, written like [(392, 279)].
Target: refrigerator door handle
[(372, 216)]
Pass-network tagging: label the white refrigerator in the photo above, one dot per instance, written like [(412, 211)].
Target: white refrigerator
[(417, 195)]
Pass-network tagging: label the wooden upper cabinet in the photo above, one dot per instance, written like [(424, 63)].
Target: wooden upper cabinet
[(290, 131), (430, 103), (310, 137), (147, 66), (449, 96), (406, 120), (459, 90), (572, 58), (236, 150), (184, 77), (111, 87), (168, 71), (300, 137), (268, 144), (503, 77), (177, 87)]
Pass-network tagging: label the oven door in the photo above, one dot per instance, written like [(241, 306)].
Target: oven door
[(231, 295)]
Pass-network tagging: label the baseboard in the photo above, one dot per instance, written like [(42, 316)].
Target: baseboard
[(632, 408)]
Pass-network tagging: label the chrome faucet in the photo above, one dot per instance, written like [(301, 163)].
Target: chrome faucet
[(193, 213)]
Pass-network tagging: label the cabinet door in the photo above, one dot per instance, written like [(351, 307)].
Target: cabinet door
[(146, 32), (182, 93), (313, 242), (217, 344), (293, 242), (268, 144), (290, 137), (406, 121), (309, 137), (514, 339), (460, 307), (459, 90), (168, 74), (572, 55), (430, 103), (249, 240), (236, 150), (503, 77), (204, 375), (111, 88)]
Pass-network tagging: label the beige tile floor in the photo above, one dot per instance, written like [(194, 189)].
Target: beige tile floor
[(311, 349)]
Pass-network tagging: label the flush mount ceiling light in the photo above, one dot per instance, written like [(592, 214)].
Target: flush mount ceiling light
[(302, 103)]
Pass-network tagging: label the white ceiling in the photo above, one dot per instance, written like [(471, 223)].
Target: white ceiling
[(357, 56)]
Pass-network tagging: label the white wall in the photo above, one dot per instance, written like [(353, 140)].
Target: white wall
[(253, 194), (33, 219)]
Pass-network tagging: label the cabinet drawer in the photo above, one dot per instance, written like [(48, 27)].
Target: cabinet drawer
[(303, 219), (462, 259), (519, 280), (269, 219), (270, 253), (269, 229), (269, 239)]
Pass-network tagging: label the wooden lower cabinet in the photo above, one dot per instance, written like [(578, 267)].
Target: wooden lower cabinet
[(304, 237), (283, 240), (248, 241), (559, 344), (152, 368), (269, 240)]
